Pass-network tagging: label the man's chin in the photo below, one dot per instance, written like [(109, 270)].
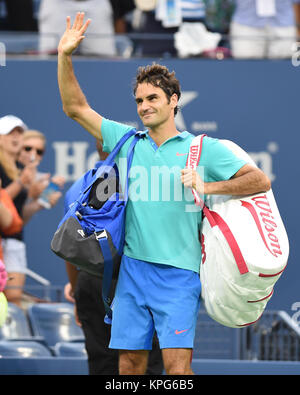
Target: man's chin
[(147, 124)]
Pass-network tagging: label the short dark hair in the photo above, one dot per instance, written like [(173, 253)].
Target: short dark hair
[(160, 76)]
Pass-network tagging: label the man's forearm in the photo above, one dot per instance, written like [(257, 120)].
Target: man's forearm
[(73, 99), (71, 94), (247, 184)]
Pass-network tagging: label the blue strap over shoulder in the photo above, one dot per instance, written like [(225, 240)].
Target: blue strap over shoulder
[(109, 162), (102, 236)]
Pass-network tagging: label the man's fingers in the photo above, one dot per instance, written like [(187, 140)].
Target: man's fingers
[(186, 173), (68, 22), (76, 21), (81, 18), (186, 170), (186, 178), (85, 26)]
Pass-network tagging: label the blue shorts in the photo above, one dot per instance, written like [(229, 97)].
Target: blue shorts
[(151, 297)]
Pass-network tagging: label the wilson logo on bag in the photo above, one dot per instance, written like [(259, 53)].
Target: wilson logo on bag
[(265, 222), (245, 249)]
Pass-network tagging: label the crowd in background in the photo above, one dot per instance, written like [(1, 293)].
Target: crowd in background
[(210, 28), (24, 191)]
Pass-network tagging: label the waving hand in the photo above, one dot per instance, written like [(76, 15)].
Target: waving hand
[(73, 35)]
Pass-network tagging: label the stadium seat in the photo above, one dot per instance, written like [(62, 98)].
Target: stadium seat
[(23, 349), (215, 341), (55, 322), (68, 349), (16, 325)]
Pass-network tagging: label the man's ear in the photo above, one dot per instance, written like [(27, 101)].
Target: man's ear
[(174, 100)]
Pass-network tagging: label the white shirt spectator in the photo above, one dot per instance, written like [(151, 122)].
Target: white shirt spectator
[(52, 24), (263, 29)]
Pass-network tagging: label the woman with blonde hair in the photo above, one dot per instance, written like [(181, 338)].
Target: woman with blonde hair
[(16, 180), (21, 151)]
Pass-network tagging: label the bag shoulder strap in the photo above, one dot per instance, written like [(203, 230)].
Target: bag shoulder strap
[(109, 160), (102, 238), (213, 218), (193, 160), (108, 163)]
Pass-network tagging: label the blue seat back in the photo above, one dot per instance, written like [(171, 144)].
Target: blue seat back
[(23, 349), (16, 325), (55, 322), (68, 349)]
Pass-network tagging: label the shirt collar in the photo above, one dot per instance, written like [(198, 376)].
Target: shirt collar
[(181, 135)]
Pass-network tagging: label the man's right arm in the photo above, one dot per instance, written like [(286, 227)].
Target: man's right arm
[(74, 101)]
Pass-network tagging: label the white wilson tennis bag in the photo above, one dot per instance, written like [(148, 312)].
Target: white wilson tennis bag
[(245, 249)]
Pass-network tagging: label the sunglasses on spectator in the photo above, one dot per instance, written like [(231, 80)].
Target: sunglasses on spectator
[(40, 152)]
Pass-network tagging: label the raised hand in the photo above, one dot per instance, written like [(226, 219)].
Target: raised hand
[(28, 174), (73, 36)]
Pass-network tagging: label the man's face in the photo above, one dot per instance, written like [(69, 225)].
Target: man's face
[(153, 106)]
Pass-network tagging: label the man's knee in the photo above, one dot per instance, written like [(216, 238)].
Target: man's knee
[(177, 361), (133, 362)]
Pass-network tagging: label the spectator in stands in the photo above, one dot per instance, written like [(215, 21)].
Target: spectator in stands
[(20, 182), (33, 149), (100, 40), (120, 9), (122, 25), (84, 289), (3, 301), (153, 17), (16, 181), (19, 15), (5, 213), (218, 15), (3, 277), (10, 221), (262, 28)]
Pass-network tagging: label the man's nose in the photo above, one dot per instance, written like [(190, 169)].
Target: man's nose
[(145, 106)]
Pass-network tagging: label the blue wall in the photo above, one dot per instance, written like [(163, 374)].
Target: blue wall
[(254, 103)]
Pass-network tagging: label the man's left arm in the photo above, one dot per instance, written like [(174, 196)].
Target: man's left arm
[(246, 181)]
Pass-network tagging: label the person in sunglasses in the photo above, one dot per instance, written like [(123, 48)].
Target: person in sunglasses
[(22, 181), (16, 180), (44, 191)]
